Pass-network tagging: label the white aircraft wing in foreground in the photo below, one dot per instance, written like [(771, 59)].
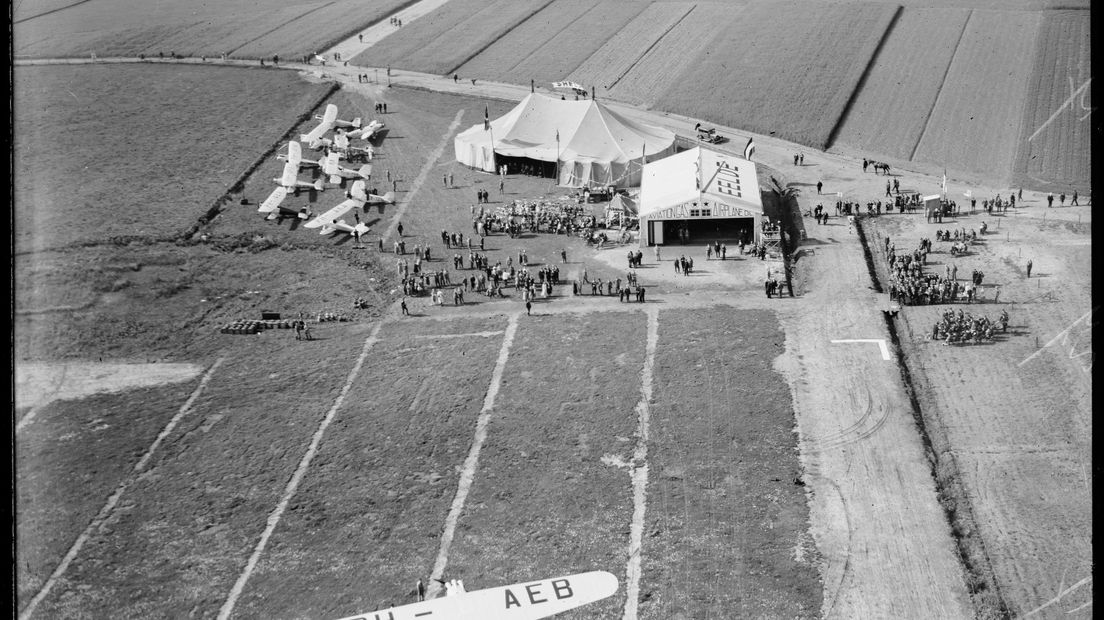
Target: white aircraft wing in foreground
[(522, 601), (331, 167)]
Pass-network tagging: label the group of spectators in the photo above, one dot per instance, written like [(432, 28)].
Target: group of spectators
[(961, 327), (909, 285)]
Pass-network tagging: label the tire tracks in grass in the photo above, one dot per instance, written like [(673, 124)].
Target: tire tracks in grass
[(105, 512), (45, 13), (281, 25), (431, 161)]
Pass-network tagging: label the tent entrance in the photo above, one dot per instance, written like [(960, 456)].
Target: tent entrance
[(728, 230), (524, 165)]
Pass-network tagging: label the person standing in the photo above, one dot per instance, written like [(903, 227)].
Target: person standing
[(1050, 199), (502, 187), (450, 180), (529, 308), (399, 228), (820, 185), (1074, 201), (405, 310), (1029, 268)]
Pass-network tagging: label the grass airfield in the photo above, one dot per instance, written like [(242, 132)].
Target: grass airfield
[(133, 287), (552, 493)]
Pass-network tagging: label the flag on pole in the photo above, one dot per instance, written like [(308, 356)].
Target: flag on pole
[(487, 118), (749, 149), (944, 182)]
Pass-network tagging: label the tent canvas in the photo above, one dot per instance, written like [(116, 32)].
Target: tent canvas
[(593, 145)]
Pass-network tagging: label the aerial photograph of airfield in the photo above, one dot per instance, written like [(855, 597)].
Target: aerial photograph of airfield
[(515, 309)]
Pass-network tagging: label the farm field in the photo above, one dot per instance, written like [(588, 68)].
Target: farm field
[(158, 175), (497, 61), (1016, 416), (1056, 136), (891, 107), (976, 121), (450, 36), (620, 52), (560, 55), (674, 53), (782, 69), (191, 28)]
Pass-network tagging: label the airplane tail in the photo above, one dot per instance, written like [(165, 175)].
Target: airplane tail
[(356, 122), (365, 171), (335, 179), (361, 228), (319, 185), (389, 198)]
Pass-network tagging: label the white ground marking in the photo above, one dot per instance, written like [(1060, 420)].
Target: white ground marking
[(429, 165), (1059, 597), (480, 334), (467, 474), (881, 345), (639, 472), (296, 478), (105, 512)]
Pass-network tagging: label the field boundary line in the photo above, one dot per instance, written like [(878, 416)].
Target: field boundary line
[(942, 83), (109, 506), (639, 473), (417, 184), (862, 79), (297, 477), (272, 30), (537, 49), (467, 473), (44, 14), (645, 52), (484, 47)]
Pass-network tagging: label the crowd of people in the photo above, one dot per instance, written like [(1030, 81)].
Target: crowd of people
[(910, 285), (963, 328)]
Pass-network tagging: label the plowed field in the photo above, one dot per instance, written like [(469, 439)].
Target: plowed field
[(669, 57), (613, 60), (1056, 137), (891, 108), (189, 28), (1016, 415), (450, 36), (786, 69), (976, 121), (572, 45), (497, 61)]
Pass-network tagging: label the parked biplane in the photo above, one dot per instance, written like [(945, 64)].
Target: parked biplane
[(288, 183), (356, 198)]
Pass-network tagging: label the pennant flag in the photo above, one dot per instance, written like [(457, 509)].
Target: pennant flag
[(968, 194), (944, 181), (557, 135), (487, 118), (749, 149)]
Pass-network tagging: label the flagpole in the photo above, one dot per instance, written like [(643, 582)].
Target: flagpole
[(487, 122)]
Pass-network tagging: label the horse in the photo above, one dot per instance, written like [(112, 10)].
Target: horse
[(880, 166)]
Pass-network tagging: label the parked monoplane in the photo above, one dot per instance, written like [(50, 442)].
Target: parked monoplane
[(529, 600), (332, 167), (356, 198)]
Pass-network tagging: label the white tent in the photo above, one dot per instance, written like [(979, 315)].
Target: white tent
[(593, 145)]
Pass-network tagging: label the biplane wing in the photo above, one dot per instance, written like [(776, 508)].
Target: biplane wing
[(274, 199), (334, 213), (522, 601)]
